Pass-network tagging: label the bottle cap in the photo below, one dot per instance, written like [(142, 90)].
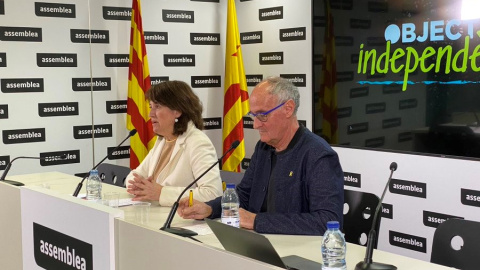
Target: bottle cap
[(230, 185), (94, 172), (333, 225)]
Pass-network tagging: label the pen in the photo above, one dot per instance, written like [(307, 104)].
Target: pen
[(190, 199)]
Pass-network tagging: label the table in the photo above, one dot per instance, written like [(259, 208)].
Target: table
[(145, 246)]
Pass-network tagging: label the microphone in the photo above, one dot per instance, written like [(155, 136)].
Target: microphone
[(181, 231), (367, 263), (9, 165), (79, 186)]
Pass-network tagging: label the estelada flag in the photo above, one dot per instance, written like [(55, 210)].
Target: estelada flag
[(328, 86), (235, 104)]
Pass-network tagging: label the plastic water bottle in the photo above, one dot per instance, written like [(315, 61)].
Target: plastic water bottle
[(230, 206), (334, 248), (94, 186)]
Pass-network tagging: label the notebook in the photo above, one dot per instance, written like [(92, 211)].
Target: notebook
[(257, 246)]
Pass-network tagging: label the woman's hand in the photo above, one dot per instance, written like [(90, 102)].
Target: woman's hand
[(144, 189)]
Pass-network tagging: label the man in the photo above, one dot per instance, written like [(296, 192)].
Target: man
[(294, 184)]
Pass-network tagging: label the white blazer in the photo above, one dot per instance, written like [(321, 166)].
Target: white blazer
[(192, 154)]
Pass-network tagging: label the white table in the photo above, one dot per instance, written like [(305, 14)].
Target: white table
[(145, 246)]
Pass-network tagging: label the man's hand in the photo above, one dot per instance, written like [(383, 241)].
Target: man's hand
[(198, 210), (247, 219)]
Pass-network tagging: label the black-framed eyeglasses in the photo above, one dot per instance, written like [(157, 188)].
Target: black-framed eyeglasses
[(263, 116)]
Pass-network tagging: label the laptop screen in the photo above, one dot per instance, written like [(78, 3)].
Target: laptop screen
[(256, 246), (246, 243)]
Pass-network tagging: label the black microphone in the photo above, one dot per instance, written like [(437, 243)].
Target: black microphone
[(186, 232), (79, 186), (367, 263), (9, 165)]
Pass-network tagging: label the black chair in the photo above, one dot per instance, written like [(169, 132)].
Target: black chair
[(357, 222), (467, 256), (113, 174)]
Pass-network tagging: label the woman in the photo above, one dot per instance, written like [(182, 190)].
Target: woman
[(181, 153)]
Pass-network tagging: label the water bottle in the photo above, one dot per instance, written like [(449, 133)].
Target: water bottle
[(230, 206), (94, 186), (334, 248)]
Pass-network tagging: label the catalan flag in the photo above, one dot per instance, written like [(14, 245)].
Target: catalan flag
[(138, 84), (235, 104), (328, 86)]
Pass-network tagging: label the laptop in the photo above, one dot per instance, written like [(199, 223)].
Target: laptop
[(257, 246)]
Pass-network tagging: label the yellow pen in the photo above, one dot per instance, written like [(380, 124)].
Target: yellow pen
[(190, 199)]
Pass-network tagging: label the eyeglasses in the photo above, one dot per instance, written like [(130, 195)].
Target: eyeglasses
[(262, 116)]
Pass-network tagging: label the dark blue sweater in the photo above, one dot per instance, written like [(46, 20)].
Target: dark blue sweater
[(308, 187)]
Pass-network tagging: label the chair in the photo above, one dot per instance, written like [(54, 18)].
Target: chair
[(113, 174), (357, 221), (467, 256), (230, 177)]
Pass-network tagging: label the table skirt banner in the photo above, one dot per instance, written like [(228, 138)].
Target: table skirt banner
[(63, 232)]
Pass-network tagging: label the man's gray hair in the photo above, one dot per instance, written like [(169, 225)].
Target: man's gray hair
[(284, 90)]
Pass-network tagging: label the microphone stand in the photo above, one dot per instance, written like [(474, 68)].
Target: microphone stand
[(177, 230), (367, 263), (182, 231), (79, 186), (477, 124), (9, 165)]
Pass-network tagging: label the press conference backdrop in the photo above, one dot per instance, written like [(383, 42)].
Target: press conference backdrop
[(47, 107), (424, 192), (434, 113)]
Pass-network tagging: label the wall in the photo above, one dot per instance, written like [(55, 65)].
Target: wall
[(64, 88)]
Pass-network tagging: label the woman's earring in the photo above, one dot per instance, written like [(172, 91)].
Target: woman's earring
[(176, 120)]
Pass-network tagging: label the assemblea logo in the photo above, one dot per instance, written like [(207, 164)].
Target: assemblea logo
[(438, 59)]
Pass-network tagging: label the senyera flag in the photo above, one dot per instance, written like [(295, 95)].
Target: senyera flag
[(236, 94), (138, 84)]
